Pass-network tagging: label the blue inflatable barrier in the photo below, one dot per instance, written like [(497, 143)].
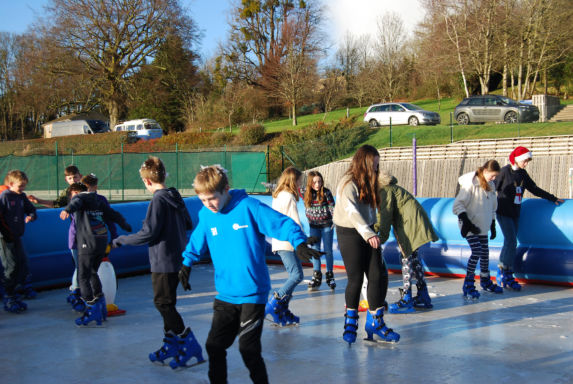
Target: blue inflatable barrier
[(545, 243)]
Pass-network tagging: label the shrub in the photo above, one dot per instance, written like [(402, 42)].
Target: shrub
[(252, 134)]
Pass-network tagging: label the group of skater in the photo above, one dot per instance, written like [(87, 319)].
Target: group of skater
[(232, 227)]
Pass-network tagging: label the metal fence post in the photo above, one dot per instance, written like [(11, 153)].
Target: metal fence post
[(57, 172), (414, 166), (122, 174), (390, 132), (451, 128), (177, 165)]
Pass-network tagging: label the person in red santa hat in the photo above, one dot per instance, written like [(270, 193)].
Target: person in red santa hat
[(511, 183)]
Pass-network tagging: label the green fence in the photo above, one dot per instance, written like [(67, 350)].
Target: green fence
[(118, 174)]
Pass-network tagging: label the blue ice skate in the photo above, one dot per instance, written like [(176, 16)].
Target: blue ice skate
[(76, 301), (350, 326), (405, 304), (27, 291), (375, 326), (92, 313), (506, 280), (422, 299), (169, 349), (188, 347), (286, 316), (469, 288), (13, 304), (103, 307), (273, 308), (489, 286)]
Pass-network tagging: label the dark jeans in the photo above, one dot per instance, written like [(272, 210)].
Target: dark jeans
[(509, 227), (15, 265), (359, 259), (230, 320), (88, 279), (165, 298)]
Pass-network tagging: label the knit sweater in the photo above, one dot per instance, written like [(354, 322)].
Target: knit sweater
[(319, 213), (285, 203), (349, 212)]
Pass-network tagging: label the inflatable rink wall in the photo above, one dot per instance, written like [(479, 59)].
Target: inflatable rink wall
[(544, 254)]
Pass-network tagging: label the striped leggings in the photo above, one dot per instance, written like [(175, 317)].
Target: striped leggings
[(411, 267), (480, 251)]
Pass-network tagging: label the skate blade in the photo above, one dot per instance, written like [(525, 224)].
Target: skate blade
[(188, 365), (380, 341), (91, 325), (275, 325)]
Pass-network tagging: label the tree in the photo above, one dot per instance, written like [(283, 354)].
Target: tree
[(114, 38), (273, 44)]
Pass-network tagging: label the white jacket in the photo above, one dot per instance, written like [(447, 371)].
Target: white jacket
[(479, 205), (285, 203)]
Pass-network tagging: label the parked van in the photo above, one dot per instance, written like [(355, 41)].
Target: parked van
[(74, 127), (144, 128)]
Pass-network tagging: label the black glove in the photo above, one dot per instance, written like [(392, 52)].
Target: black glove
[(127, 227), (492, 228), (467, 225), (311, 240), (184, 273), (304, 253)]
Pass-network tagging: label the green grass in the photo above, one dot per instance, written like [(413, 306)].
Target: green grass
[(431, 135)]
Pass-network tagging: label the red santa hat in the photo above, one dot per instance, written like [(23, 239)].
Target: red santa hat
[(519, 154)]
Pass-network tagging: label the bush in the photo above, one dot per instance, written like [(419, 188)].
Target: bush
[(252, 134)]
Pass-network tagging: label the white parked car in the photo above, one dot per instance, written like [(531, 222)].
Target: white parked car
[(399, 113), (142, 128)]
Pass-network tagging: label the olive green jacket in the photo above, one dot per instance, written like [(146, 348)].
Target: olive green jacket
[(399, 209)]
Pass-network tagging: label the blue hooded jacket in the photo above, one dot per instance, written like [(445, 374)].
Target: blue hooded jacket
[(235, 237)]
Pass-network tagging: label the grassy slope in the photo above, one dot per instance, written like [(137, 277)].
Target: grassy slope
[(431, 135)]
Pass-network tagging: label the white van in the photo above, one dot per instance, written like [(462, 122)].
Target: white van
[(144, 128), (74, 127)]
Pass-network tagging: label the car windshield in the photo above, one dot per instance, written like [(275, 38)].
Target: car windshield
[(411, 107), (98, 126), (507, 100), (152, 126)]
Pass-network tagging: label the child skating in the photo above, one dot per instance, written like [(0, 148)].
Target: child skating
[(165, 231), (399, 209), (232, 227), (319, 208), (475, 206)]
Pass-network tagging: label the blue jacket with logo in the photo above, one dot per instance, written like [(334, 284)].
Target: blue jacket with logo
[(235, 237)]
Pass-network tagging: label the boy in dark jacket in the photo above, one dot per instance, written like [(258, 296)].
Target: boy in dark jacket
[(165, 230), (17, 211), (90, 215)]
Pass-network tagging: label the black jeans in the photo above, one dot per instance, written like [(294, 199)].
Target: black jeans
[(88, 279), (15, 265), (360, 258), (165, 298), (230, 320)]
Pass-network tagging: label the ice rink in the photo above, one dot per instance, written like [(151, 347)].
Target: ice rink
[(515, 337)]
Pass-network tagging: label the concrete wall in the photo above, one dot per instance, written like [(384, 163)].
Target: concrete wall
[(548, 106)]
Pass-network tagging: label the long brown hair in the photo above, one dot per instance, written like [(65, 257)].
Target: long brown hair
[(490, 166), (308, 193), (362, 174), (287, 182)]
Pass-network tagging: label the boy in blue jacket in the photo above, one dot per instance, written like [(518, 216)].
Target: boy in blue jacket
[(165, 230), (232, 226)]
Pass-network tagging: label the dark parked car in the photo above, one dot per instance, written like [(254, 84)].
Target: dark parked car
[(486, 108)]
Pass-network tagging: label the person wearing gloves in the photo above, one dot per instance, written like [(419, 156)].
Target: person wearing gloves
[(475, 206), (232, 227), (511, 184)]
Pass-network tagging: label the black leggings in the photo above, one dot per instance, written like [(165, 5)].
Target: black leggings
[(359, 259)]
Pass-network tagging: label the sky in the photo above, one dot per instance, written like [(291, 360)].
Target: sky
[(357, 16)]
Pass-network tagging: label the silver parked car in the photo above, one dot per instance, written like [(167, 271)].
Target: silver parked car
[(400, 113), (486, 108)]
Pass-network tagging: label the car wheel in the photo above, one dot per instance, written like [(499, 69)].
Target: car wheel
[(373, 123), (413, 121), (510, 117), (463, 119)]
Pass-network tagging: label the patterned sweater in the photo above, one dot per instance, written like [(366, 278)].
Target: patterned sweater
[(319, 213)]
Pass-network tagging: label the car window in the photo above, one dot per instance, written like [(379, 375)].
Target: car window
[(490, 101), (385, 108), (397, 108), (475, 101), (412, 107)]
